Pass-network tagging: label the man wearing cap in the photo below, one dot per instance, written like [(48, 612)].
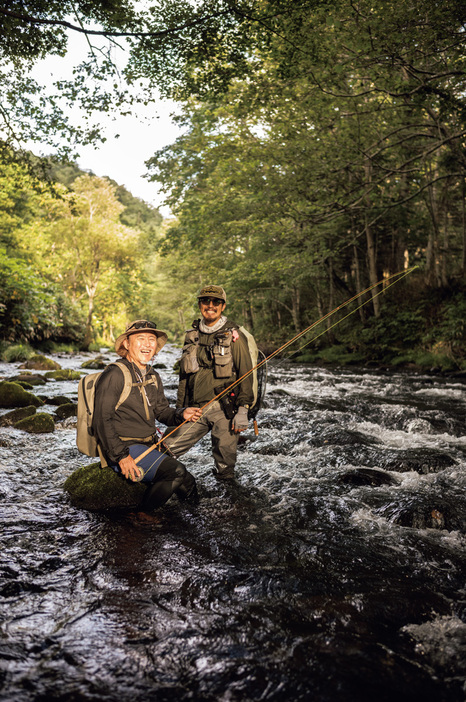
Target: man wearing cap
[(125, 426), (215, 354)]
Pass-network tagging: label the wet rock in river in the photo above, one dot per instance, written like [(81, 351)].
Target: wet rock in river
[(58, 400), (11, 418), (68, 409), (367, 476), (95, 488), (422, 512), (13, 395), (40, 423), (29, 378), (422, 461), (95, 363), (39, 362), (64, 374), (335, 436), (26, 386)]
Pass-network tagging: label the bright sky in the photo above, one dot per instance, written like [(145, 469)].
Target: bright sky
[(121, 158)]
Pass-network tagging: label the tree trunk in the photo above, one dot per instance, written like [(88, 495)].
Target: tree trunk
[(463, 222), (432, 276), (357, 274), (89, 334), (296, 308), (371, 247)]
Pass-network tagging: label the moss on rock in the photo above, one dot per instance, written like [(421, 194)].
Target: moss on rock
[(39, 362), (96, 363), (64, 374), (95, 488), (58, 400), (40, 423), (30, 379), (13, 395), (68, 409), (11, 418)]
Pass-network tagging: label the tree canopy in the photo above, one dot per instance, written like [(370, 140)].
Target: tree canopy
[(323, 143)]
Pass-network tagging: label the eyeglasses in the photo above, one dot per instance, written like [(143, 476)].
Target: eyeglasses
[(214, 300), (142, 325)]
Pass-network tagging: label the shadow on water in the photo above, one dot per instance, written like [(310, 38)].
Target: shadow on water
[(333, 569)]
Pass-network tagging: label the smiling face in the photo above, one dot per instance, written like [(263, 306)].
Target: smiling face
[(141, 348), (211, 309)]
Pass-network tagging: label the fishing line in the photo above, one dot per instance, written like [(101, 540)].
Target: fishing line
[(399, 276)]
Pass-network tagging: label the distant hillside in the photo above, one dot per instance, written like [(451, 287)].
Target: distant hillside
[(137, 214)]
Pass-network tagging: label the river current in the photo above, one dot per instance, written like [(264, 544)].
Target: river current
[(333, 570)]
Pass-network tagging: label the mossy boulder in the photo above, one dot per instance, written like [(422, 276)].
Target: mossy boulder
[(95, 363), (63, 374), (40, 423), (11, 418), (29, 378), (39, 362), (13, 395), (26, 386), (95, 488), (69, 409), (58, 400)]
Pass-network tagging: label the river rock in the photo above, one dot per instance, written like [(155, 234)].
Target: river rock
[(95, 363), (68, 409), (26, 386), (39, 362), (13, 395), (63, 374), (422, 461), (40, 423), (95, 488), (11, 418), (367, 476), (58, 400), (29, 378)]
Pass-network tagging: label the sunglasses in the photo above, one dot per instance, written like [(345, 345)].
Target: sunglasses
[(142, 325), (214, 300)]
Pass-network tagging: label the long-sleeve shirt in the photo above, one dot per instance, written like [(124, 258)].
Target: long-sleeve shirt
[(135, 418)]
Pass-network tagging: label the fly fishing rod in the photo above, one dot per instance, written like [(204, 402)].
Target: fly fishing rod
[(399, 276)]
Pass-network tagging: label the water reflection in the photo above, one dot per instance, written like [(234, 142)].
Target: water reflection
[(333, 570)]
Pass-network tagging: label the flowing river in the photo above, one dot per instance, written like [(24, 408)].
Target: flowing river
[(334, 570)]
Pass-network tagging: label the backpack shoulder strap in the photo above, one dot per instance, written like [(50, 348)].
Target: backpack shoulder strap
[(128, 382)]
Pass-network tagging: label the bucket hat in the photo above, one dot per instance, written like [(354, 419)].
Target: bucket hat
[(137, 327)]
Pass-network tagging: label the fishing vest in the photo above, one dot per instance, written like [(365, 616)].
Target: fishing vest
[(218, 349)]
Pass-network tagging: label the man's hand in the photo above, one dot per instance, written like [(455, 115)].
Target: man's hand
[(192, 414), (130, 469), (240, 421)]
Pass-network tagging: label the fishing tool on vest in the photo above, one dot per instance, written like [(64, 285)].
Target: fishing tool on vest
[(399, 276)]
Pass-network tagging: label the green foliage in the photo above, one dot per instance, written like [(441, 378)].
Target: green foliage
[(426, 360), (453, 325), (29, 308), (14, 353), (322, 151)]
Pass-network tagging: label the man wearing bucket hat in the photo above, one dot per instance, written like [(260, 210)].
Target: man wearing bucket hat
[(125, 425), (215, 354)]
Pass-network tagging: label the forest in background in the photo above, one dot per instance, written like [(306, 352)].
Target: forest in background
[(323, 150)]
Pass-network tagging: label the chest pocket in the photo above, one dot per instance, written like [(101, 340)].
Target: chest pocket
[(223, 360), (188, 361)]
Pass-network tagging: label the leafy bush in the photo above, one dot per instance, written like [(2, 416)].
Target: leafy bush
[(16, 352)]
